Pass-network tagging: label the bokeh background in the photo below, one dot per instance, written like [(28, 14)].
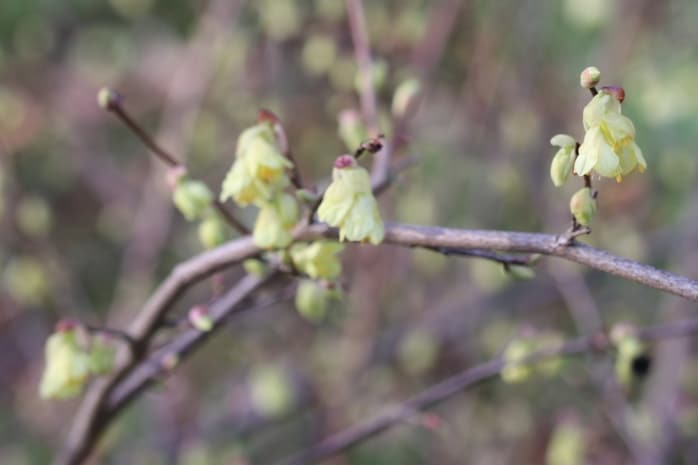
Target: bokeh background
[(87, 228)]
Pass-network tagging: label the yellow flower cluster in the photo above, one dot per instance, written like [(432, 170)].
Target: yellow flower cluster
[(609, 146), (259, 176), (70, 361)]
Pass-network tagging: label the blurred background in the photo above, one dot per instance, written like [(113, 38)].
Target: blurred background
[(87, 227)]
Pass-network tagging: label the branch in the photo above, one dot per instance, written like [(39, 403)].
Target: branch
[(545, 244), (114, 104), (469, 378), (150, 369), (90, 419)]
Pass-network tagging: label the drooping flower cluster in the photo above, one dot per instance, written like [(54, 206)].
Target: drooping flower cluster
[(259, 170), (318, 260), (609, 146), (608, 149), (72, 356), (259, 177), (349, 203), (195, 201)]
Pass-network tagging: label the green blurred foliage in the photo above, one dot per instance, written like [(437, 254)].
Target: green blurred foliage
[(76, 188)]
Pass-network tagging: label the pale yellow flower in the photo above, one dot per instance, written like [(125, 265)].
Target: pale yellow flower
[(67, 367), (259, 170), (318, 260), (609, 146), (275, 220), (349, 203), (563, 161)]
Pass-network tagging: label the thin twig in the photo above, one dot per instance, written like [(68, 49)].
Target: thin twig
[(490, 255), (93, 415), (116, 106), (467, 379)]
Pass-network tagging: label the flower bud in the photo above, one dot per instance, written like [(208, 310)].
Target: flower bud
[(351, 130), (583, 206), (212, 231), (192, 198), (271, 392), (254, 267), (563, 161), (589, 77), (200, 319), (561, 166), (405, 96), (633, 360), (108, 99), (312, 300)]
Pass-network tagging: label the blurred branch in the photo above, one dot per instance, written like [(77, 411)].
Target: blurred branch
[(149, 369), (472, 377), (89, 420)]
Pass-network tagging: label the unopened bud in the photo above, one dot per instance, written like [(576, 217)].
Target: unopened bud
[(192, 198), (351, 130), (200, 319), (311, 300), (254, 267), (212, 231), (405, 96), (108, 99), (589, 77), (616, 91), (583, 206)]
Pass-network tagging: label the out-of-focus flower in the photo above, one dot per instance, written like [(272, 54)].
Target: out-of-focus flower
[(255, 267), (405, 96), (609, 146), (583, 206), (259, 170), (67, 366), (517, 369), (563, 161), (192, 198), (212, 231), (349, 203), (351, 129), (318, 260), (200, 319), (275, 220), (312, 299)]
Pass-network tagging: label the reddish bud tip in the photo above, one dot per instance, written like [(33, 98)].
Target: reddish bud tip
[(267, 116), (616, 91), (344, 161), (66, 325)]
